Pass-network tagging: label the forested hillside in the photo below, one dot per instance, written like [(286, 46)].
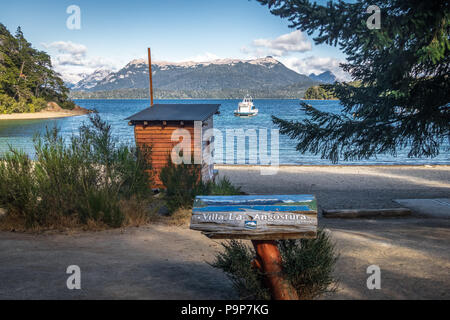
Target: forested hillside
[(27, 80), (290, 92), (320, 92), (325, 91)]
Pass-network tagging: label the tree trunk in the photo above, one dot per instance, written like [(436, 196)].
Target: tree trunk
[(268, 261)]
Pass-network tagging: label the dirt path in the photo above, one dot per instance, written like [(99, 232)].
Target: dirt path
[(413, 255), (155, 262), (162, 262)]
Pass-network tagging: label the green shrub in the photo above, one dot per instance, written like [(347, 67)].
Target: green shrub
[(36, 104), (10, 105), (18, 188), (224, 187), (66, 104), (83, 179), (99, 205), (20, 106), (60, 174), (7, 103), (235, 261), (182, 184), (308, 264)]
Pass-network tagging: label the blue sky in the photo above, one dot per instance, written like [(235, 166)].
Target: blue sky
[(115, 32)]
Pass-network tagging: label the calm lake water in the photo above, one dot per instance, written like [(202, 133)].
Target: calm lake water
[(19, 133)]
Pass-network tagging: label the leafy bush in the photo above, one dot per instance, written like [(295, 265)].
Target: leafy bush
[(10, 105), (235, 261), (37, 104), (307, 263), (85, 179), (7, 103), (224, 188), (66, 104), (18, 188), (183, 184)]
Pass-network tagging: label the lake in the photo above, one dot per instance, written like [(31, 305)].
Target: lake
[(19, 133)]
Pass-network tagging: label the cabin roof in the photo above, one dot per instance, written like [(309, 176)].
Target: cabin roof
[(176, 112)]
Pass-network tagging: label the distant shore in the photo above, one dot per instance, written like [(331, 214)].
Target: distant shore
[(318, 99), (148, 99)]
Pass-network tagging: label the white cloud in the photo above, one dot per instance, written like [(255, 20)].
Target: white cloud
[(72, 61), (67, 47), (316, 65), (285, 44)]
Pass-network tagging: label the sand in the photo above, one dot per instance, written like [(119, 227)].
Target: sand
[(346, 187), (40, 115)]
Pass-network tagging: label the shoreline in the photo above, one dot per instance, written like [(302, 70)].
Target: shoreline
[(46, 114), (38, 115), (301, 99), (253, 166)]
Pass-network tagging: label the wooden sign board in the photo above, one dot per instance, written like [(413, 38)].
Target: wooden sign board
[(256, 217)]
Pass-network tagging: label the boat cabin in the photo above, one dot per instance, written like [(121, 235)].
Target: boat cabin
[(246, 108)]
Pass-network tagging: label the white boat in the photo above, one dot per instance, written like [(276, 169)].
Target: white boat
[(246, 108)]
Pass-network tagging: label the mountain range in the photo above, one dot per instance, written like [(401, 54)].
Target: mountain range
[(324, 77), (263, 77)]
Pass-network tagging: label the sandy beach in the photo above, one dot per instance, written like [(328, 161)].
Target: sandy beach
[(52, 111), (346, 187), (42, 115)]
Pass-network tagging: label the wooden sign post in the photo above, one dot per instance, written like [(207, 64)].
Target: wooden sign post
[(262, 219)]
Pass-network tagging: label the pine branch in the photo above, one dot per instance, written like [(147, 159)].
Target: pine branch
[(402, 96)]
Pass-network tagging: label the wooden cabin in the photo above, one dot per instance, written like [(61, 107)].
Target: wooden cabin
[(155, 125)]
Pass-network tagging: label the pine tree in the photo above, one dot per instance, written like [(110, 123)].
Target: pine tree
[(403, 100)]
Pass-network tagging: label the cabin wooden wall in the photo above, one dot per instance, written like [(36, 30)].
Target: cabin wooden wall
[(158, 137)]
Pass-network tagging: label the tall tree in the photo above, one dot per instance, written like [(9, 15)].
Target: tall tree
[(404, 97), (26, 74)]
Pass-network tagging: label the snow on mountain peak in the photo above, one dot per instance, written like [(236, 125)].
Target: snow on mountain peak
[(89, 81), (188, 64)]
